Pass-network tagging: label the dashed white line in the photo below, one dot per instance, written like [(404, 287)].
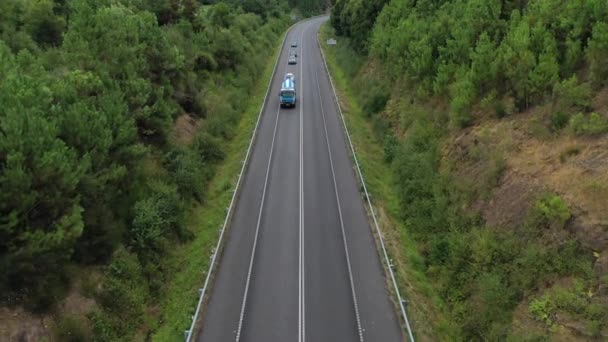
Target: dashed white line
[(301, 289), (257, 230), (367, 197), (333, 173)]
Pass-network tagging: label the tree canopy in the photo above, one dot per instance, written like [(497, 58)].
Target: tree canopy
[(516, 48), (89, 93)]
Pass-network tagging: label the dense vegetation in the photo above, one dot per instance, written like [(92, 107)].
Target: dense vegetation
[(444, 65), (93, 169), (477, 50)]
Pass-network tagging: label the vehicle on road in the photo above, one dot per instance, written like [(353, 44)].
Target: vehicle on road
[(294, 44), (292, 60), (287, 95)]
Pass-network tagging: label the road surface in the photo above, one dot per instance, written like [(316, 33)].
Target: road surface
[(300, 263)]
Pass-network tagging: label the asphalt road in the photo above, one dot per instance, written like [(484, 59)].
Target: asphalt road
[(300, 262)]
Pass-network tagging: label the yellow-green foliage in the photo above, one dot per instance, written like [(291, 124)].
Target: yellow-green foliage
[(591, 124), (576, 301)]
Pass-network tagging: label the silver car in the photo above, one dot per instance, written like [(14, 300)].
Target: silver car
[(292, 60)]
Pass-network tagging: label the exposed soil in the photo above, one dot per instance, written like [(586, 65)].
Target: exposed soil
[(18, 325), (185, 129), (538, 162)]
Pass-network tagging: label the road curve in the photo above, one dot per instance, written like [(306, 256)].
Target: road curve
[(300, 262)]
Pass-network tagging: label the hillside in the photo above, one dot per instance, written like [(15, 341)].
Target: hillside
[(120, 138), (493, 121)]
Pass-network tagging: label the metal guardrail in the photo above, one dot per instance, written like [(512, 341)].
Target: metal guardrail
[(188, 334), (367, 197)]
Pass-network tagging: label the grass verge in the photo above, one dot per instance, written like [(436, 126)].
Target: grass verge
[(192, 261), (425, 308)]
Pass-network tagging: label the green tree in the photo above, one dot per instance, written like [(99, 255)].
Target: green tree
[(142, 55), (39, 200), (544, 75), (517, 61), (597, 53), (482, 74), (41, 22), (569, 94)]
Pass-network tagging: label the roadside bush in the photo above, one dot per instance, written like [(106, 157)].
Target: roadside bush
[(376, 101), (157, 219), (188, 172), (415, 166), (123, 295), (391, 146), (209, 148)]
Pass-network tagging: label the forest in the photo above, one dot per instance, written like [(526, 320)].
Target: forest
[(457, 91), (93, 168)]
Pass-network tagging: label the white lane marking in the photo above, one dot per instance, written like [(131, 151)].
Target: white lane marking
[(369, 202), (217, 249), (257, 228), (333, 174), (301, 315)]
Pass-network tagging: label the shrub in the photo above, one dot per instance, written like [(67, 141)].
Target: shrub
[(541, 308), (553, 211), (123, 295), (596, 311), (463, 93), (571, 300), (569, 94), (209, 148), (559, 120), (157, 218), (492, 104), (188, 172), (590, 125), (72, 329), (376, 101), (596, 54), (391, 144), (102, 327)]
